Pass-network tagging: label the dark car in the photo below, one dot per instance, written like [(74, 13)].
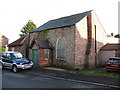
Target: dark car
[(113, 64), (15, 61)]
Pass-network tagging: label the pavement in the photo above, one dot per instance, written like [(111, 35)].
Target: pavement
[(57, 73)]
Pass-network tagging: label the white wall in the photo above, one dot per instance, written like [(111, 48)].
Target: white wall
[(112, 40), (104, 55)]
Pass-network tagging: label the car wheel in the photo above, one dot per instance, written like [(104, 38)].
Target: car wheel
[(14, 69), (2, 66)]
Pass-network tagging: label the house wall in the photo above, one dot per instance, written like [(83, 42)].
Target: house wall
[(68, 34), (17, 48), (101, 35), (81, 40), (117, 53), (53, 35), (76, 38), (104, 56), (21, 48), (33, 36), (3, 41), (42, 61)]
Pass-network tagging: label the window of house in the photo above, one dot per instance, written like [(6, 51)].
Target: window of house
[(60, 48), (46, 53)]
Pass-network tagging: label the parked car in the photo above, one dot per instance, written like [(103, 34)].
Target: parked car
[(113, 64), (15, 61)]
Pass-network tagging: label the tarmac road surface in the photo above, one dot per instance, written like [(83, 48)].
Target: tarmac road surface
[(21, 80)]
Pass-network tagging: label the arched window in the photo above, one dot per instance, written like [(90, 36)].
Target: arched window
[(60, 48)]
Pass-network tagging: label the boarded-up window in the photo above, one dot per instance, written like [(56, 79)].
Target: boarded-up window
[(61, 48), (46, 53)]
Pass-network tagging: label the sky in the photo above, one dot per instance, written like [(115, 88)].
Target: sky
[(14, 14)]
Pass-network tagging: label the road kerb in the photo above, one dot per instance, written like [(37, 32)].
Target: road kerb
[(72, 80)]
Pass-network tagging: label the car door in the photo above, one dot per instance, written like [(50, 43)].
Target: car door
[(8, 61)]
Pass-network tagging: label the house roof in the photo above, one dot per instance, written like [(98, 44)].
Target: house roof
[(117, 36), (62, 22), (44, 44), (109, 47), (18, 42)]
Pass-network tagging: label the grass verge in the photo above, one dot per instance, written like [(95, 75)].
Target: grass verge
[(100, 72)]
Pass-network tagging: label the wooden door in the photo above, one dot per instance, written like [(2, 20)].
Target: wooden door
[(35, 57)]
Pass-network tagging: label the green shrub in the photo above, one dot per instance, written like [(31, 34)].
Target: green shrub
[(2, 50)]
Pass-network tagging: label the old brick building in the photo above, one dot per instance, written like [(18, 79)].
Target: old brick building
[(72, 40), (3, 41), (20, 45)]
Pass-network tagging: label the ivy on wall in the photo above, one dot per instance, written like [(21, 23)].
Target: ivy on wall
[(89, 42), (42, 35)]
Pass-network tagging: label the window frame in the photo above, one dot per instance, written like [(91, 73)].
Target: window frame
[(47, 54), (57, 49)]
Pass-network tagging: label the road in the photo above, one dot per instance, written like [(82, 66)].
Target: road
[(21, 80)]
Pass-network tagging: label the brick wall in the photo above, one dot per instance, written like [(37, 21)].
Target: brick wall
[(80, 42), (68, 34), (21, 48), (76, 38), (98, 36), (52, 36), (3, 41)]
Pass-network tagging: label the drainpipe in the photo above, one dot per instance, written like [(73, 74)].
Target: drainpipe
[(95, 48), (28, 44)]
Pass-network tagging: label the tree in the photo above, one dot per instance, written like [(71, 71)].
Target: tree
[(27, 28)]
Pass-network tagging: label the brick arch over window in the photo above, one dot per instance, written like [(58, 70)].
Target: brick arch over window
[(60, 48)]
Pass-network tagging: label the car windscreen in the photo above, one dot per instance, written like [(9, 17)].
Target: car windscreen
[(114, 60), (17, 55)]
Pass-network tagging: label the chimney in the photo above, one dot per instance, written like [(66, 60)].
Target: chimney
[(112, 34)]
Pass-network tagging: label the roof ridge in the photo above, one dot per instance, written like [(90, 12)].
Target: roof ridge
[(16, 41), (70, 15), (62, 22)]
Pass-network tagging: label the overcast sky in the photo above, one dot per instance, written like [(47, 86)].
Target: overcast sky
[(16, 13)]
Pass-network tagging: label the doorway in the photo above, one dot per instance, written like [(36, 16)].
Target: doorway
[(35, 57)]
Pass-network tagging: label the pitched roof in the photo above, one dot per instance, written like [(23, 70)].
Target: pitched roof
[(117, 36), (62, 22), (18, 42), (109, 47), (44, 44)]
